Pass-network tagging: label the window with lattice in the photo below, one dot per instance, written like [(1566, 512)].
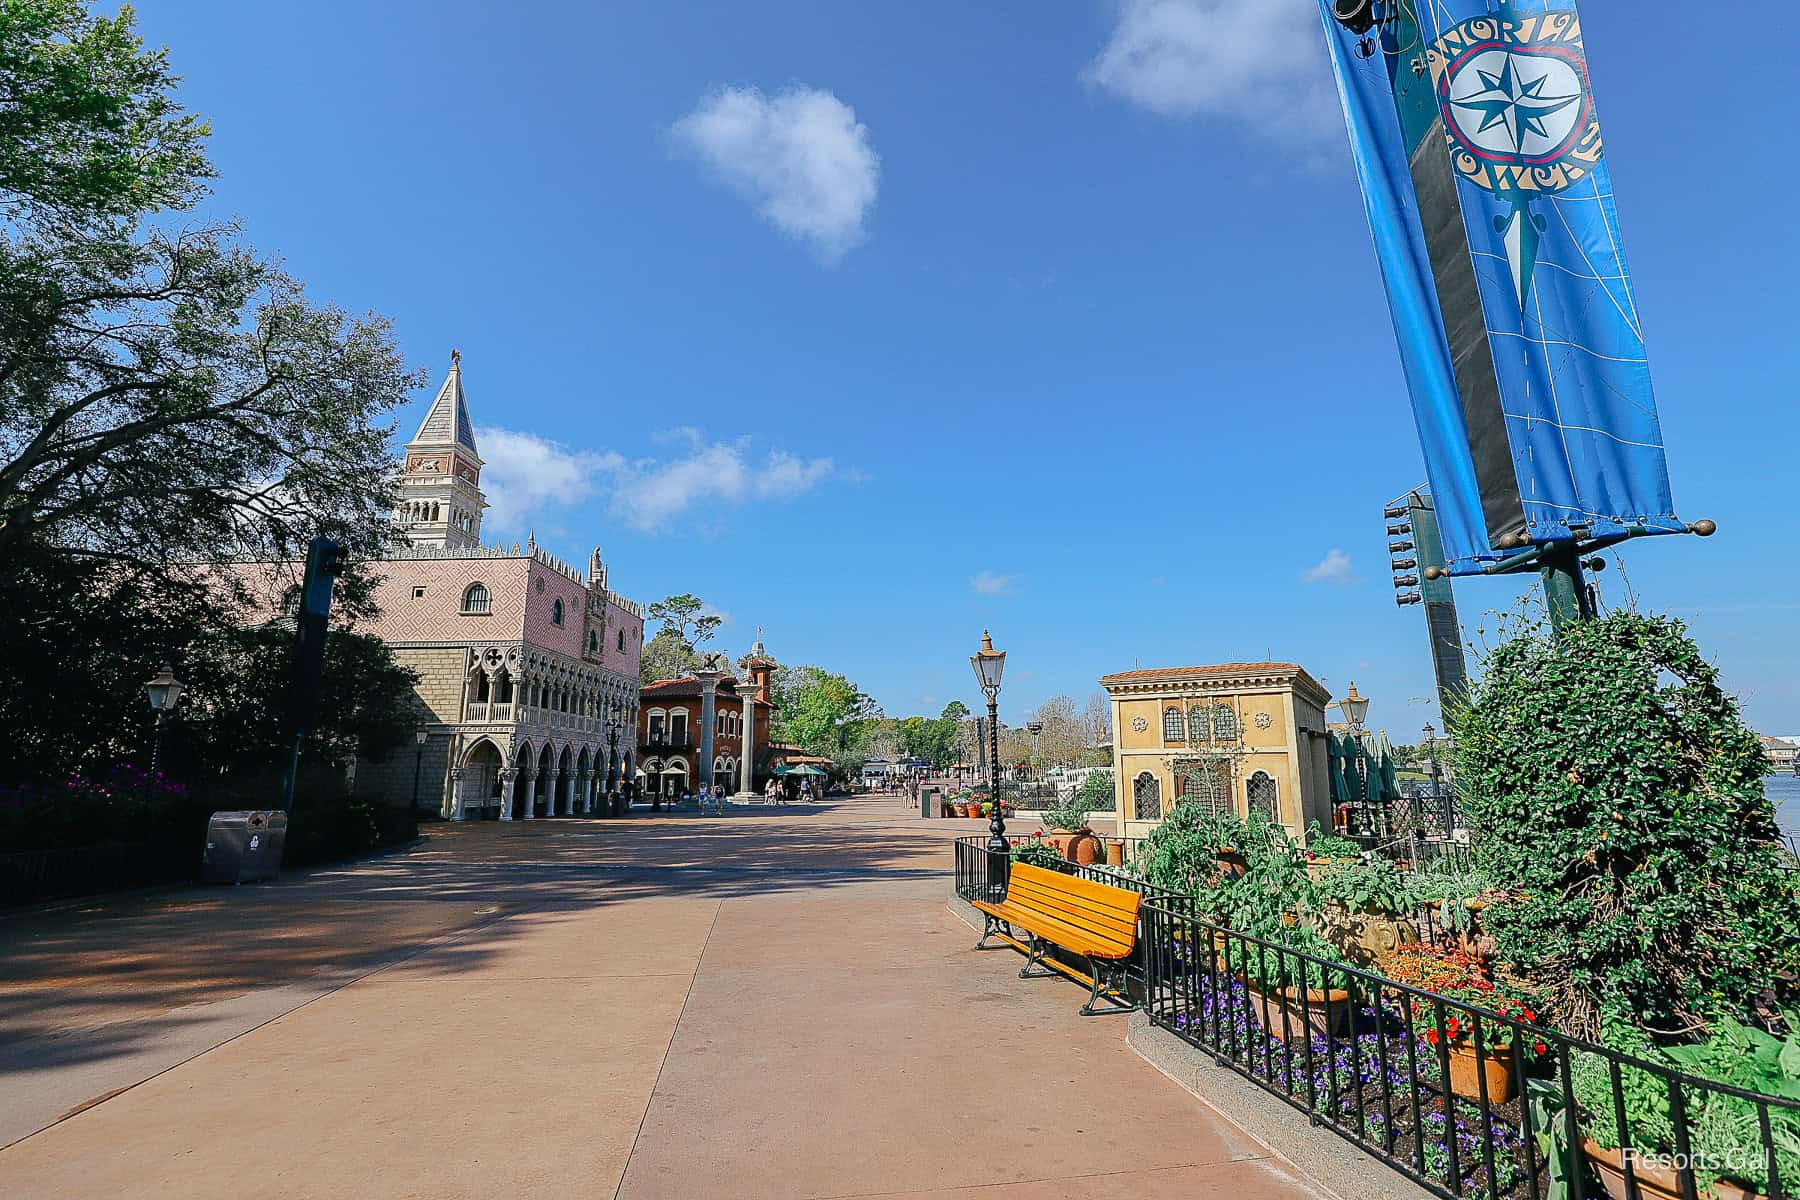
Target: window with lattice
[(1173, 731), (1264, 796), (1146, 796), (1224, 723), (1206, 785), (1197, 723)]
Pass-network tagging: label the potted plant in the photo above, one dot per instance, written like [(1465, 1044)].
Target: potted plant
[(1067, 821), (1039, 853), (1452, 897), (1366, 902), (1721, 1125), (1324, 849), (1476, 1068)]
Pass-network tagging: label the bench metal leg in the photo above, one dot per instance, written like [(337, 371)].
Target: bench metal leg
[(1036, 956), (990, 926), (1107, 985)]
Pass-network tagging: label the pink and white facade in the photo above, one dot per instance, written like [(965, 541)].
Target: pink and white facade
[(528, 668)]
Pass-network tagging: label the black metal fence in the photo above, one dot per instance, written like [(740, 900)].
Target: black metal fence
[(1463, 1100), (27, 876)]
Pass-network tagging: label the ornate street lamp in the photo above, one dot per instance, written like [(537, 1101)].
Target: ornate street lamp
[(163, 690), (1355, 708), (613, 725), (989, 664)]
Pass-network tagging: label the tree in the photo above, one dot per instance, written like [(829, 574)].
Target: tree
[(91, 136), (1616, 793), (820, 710), (673, 652), (687, 617), (168, 398), (666, 656)]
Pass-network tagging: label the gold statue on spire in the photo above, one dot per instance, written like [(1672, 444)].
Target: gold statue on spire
[(456, 358)]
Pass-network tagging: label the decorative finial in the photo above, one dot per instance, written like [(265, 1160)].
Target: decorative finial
[(531, 540), (456, 358)]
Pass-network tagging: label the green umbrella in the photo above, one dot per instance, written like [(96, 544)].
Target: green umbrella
[(802, 769), (1343, 790), (1390, 779)]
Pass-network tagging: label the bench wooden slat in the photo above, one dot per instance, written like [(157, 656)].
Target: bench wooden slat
[(1089, 918)]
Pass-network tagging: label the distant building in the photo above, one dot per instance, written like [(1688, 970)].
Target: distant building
[(528, 668), (1236, 737), (674, 753), (1780, 752)]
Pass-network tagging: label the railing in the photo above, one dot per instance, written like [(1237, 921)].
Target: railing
[(28, 876), (1462, 1100)]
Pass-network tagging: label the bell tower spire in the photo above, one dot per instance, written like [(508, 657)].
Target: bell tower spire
[(440, 485)]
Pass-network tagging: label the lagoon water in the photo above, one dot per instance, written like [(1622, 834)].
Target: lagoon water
[(1784, 794)]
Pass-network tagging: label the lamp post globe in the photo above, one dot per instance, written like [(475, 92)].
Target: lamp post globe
[(1355, 707), (163, 690)]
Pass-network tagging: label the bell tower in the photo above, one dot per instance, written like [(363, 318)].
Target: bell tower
[(440, 485)]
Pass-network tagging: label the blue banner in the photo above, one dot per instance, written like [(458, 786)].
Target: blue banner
[(1479, 152)]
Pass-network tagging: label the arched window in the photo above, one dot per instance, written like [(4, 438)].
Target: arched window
[(1146, 794), (1205, 786), (1224, 723), (556, 612), (678, 722), (621, 640), (1264, 796), (593, 642), (1197, 723), (1172, 730), (475, 599)]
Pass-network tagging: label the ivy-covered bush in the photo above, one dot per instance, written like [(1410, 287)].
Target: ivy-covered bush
[(1617, 798)]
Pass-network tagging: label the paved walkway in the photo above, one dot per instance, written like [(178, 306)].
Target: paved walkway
[(775, 1005)]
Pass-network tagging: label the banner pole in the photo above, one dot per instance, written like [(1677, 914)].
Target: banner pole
[(1565, 588)]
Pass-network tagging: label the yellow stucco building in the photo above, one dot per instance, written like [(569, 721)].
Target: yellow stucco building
[(1241, 736)]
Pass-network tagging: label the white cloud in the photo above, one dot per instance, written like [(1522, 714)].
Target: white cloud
[(1259, 64), (800, 156), (988, 583), (650, 493), (525, 474), (1333, 568)]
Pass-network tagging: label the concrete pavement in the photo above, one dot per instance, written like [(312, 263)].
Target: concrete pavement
[(772, 1005)]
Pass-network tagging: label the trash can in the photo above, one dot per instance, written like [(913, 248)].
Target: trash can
[(928, 802), (244, 845)]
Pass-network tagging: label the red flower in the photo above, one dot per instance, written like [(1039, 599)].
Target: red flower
[(1540, 1047)]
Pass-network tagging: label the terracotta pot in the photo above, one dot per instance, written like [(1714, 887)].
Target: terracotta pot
[(1466, 1073), (1235, 864), (1653, 1183), (1083, 848), (1319, 1013), (1115, 852), (1057, 839)]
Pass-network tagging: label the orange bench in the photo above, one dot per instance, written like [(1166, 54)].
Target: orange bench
[(1095, 920)]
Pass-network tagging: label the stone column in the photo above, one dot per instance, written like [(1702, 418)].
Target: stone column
[(456, 812), (587, 793), (552, 783), (508, 777), (530, 806), (709, 717), (747, 748)]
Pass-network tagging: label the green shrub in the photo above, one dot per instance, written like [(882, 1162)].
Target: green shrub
[(1039, 854), (1097, 792), (1616, 793), (1374, 886)]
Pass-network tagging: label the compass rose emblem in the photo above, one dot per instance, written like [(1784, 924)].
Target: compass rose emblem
[(1519, 116)]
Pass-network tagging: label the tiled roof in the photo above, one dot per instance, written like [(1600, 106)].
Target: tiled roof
[(1160, 674), (689, 686), (448, 421)]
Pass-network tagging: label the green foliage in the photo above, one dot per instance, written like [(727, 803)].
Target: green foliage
[(1039, 854), (1372, 886), (1446, 889), (686, 617), (1330, 845), (666, 656), (821, 710), (1097, 791), (1617, 794), (1728, 1131), (1070, 814), (1181, 854), (90, 132)]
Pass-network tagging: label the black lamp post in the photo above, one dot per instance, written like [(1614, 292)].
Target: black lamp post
[(164, 690), (1437, 788), (420, 736), (612, 760), (1355, 708), (989, 663)]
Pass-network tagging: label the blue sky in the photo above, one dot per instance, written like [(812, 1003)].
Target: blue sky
[(880, 324)]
